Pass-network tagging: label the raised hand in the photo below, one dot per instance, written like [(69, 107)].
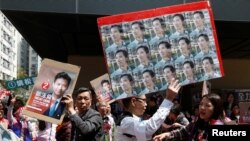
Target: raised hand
[(13, 100), (206, 87), (68, 100), (173, 89)]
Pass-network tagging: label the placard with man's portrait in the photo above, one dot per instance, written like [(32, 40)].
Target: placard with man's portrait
[(182, 36), (103, 88), (55, 79)]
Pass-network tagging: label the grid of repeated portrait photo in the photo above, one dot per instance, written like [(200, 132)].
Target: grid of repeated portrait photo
[(144, 55)]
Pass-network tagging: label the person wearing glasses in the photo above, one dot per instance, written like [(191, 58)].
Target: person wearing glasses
[(131, 127)]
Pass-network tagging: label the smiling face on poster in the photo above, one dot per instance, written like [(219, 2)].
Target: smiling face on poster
[(55, 79), (181, 36)]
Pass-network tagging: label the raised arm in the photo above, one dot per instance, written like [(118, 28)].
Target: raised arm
[(145, 129), (10, 117)]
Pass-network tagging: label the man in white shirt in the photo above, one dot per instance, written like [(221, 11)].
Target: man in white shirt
[(132, 128), (208, 67), (116, 34), (165, 52), (178, 23), (148, 78), (185, 50), (143, 56), (137, 30), (126, 83), (203, 43), (159, 27), (188, 70), (199, 22), (122, 61), (168, 74)]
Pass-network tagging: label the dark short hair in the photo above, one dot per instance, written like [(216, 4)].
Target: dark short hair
[(190, 63), (129, 76), (41, 125), (185, 39), (172, 68), (209, 59), (104, 81), (176, 109), (124, 52), (63, 75), (167, 44), (83, 89), (145, 48), (126, 102), (154, 99), (139, 23), (160, 20), (235, 104), (205, 36), (152, 74), (180, 16), (20, 101), (200, 13), (119, 27)]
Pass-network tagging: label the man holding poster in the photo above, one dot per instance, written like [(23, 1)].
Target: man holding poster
[(60, 85)]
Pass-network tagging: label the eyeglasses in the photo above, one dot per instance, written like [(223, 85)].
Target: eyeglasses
[(141, 100)]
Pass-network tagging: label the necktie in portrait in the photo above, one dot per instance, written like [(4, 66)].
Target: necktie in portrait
[(53, 109)]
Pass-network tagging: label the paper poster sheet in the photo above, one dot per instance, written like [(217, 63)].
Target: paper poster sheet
[(55, 79), (145, 49), (243, 97), (4, 95), (102, 87)]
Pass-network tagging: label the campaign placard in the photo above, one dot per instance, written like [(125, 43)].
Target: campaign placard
[(55, 79), (102, 87), (144, 50)]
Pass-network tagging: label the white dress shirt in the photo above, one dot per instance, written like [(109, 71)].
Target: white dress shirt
[(142, 130)]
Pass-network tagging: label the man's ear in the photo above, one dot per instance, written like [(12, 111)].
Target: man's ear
[(133, 102)]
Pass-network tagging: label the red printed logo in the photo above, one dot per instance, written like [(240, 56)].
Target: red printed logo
[(45, 85)]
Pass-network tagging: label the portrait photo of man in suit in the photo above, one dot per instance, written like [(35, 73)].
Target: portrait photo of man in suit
[(60, 85)]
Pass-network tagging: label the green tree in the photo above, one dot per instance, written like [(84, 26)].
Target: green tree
[(21, 73)]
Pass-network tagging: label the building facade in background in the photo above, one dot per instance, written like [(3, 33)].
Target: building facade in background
[(8, 49), (15, 53), (34, 62)]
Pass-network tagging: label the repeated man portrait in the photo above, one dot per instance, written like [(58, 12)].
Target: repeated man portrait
[(143, 55)]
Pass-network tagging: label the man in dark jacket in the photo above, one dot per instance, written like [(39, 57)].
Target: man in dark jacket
[(87, 122)]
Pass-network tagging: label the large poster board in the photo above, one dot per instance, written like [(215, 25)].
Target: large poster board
[(55, 79), (145, 49)]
